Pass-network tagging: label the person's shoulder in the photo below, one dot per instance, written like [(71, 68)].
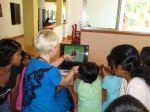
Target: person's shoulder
[(110, 79), (98, 80), (17, 70), (137, 80), (77, 82), (82, 85)]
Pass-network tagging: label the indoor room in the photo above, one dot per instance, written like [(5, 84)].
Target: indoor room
[(74, 55)]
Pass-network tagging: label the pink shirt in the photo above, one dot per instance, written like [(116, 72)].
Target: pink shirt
[(20, 93)]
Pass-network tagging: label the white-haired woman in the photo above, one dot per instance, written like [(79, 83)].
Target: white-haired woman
[(41, 78)]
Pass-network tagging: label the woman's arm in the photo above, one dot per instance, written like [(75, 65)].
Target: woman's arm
[(61, 59), (65, 80), (57, 62), (14, 94)]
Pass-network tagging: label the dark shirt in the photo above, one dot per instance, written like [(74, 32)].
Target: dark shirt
[(4, 91)]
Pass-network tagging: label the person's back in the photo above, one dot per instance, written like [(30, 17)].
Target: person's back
[(112, 85), (88, 87), (138, 88), (42, 84)]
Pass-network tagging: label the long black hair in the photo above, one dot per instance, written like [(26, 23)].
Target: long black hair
[(127, 56), (145, 57), (8, 48)]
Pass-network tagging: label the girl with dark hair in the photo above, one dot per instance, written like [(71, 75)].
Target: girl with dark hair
[(125, 62), (126, 103), (10, 57)]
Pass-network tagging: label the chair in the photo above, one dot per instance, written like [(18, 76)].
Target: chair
[(75, 35)]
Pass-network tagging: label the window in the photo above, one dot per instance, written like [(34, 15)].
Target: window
[(126, 15), (135, 15)]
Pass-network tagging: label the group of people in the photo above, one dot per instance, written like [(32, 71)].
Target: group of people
[(31, 85)]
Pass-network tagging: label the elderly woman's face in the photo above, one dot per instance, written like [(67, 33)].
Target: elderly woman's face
[(16, 58)]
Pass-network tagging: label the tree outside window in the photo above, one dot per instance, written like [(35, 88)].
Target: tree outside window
[(136, 16)]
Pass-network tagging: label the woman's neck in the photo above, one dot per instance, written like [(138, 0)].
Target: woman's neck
[(45, 58)]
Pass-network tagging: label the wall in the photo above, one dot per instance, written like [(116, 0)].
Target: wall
[(45, 5), (75, 12), (58, 31), (6, 28), (102, 13), (102, 43)]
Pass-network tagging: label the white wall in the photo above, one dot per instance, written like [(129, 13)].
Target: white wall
[(6, 28), (45, 5), (101, 43), (102, 13), (75, 13)]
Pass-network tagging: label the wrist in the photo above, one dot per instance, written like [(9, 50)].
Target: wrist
[(73, 70), (62, 58)]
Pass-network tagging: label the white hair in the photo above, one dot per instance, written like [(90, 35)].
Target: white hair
[(45, 40)]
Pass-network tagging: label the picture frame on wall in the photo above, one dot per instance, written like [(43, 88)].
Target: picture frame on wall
[(1, 15), (15, 13)]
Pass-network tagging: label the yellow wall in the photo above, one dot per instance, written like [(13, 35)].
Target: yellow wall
[(59, 12), (6, 28), (102, 43), (30, 14)]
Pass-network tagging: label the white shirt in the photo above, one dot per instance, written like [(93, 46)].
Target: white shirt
[(123, 87), (138, 88)]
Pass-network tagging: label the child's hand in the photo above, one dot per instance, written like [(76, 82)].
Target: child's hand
[(67, 57), (107, 70), (75, 69)]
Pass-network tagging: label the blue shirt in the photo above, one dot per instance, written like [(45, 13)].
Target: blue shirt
[(112, 85), (40, 87)]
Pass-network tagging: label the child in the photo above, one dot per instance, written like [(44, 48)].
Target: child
[(112, 85), (88, 88)]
